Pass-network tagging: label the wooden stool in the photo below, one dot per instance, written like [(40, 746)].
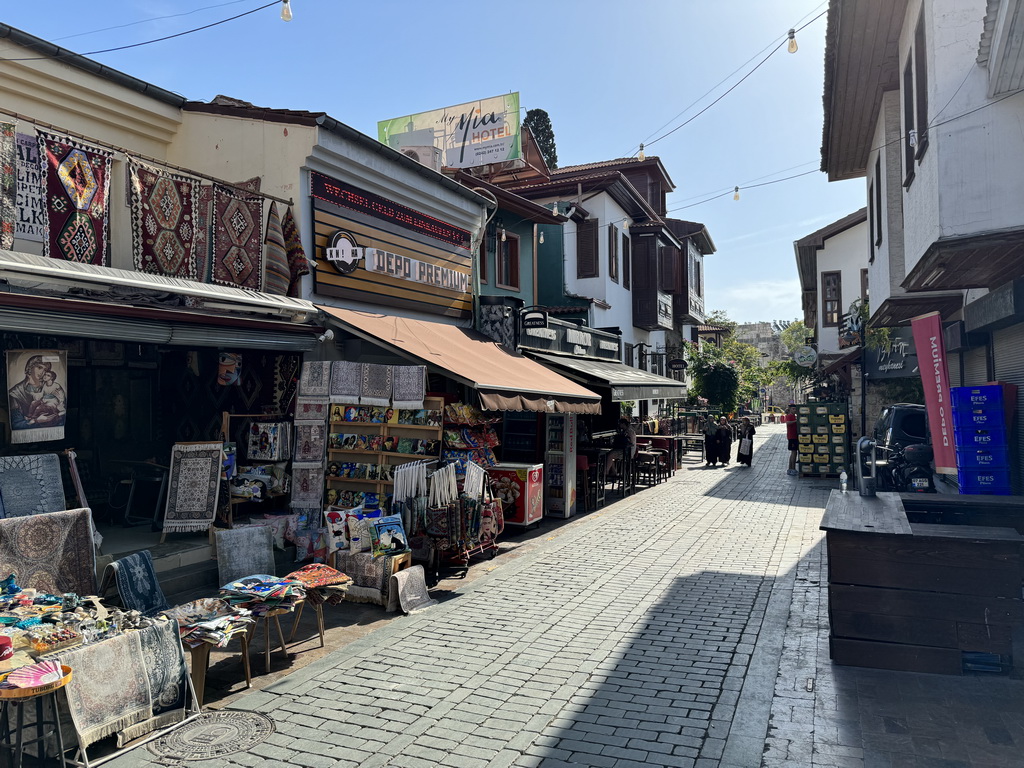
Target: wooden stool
[(47, 725)]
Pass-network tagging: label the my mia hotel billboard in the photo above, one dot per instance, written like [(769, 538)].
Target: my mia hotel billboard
[(372, 250)]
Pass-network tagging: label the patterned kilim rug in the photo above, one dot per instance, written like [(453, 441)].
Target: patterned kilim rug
[(376, 386), (298, 264), (8, 185), (164, 660), (204, 217), (315, 379), (163, 221), (243, 552), (237, 239), (310, 441), (286, 382), (307, 484), (278, 275), (194, 486), (53, 553), (312, 410), (346, 379), (30, 485), (137, 583), (408, 591), (77, 180), (410, 386), (212, 735), (109, 690)]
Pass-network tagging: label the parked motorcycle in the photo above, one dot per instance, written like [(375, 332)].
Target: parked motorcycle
[(907, 469)]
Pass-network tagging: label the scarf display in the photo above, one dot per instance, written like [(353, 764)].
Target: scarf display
[(164, 226), (77, 180)]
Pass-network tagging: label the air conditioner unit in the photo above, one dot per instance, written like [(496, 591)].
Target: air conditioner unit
[(428, 156)]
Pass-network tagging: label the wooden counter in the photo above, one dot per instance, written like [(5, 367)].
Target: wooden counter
[(920, 596)]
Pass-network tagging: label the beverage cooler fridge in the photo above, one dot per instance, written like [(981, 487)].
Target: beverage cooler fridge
[(521, 490), (560, 465)]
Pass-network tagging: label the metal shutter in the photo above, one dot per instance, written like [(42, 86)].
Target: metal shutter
[(975, 368), (1008, 350), (953, 364)]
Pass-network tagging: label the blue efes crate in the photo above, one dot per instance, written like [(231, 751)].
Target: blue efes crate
[(989, 397), (978, 418), (977, 481), (980, 438), (983, 458)]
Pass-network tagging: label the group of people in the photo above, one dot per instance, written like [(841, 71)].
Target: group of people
[(718, 438)]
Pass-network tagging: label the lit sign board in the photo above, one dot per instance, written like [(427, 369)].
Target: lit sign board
[(344, 254), (468, 135)]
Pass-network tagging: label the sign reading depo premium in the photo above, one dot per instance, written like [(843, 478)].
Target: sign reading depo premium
[(370, 249)]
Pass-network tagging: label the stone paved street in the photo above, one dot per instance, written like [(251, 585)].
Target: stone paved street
[(655, 632)]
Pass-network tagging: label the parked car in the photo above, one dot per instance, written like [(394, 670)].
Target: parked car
[(903, 451)]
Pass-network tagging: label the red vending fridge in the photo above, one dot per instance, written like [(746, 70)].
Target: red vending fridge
[(521, 490)]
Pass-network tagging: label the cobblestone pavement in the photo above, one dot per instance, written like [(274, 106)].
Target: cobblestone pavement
[(657, 631)]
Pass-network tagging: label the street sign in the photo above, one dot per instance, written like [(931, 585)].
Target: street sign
[(805, 356), (677, 364)]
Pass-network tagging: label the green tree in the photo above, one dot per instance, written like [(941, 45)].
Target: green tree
[(795, 335), (539, 123), (714, 377), (720, 318)]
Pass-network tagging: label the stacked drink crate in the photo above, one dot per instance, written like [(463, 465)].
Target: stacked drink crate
[(979, 433), (822, 439)]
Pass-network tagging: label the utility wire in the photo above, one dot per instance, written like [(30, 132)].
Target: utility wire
[(147, 21), (147, 42)]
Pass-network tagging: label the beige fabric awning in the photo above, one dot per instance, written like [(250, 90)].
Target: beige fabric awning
[(503, 380)]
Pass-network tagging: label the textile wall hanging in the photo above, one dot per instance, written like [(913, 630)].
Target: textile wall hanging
[(244, 552), (410, 386), (110, 688), (286, 382), (298, 264), (346, 380), (229, 368), (36, 394), (311, 409), (268, 441), (307, 484), (137, 584), (194, 487), (315, 380), (77, 181), (310, 441), (376, 385), (164, 660), (278, 273), (163, 221), (8, 185), (52, 553), (204, 217), (31, 223), (237, 239), (30, 485)]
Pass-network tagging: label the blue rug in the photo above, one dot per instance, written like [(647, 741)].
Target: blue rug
[(30, 485), (137, 584)]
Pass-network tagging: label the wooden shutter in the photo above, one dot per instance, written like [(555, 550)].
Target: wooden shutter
[(613, 252), (627, 260), (586, 249)]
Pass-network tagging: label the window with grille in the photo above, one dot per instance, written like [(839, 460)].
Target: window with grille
[(831, 298)]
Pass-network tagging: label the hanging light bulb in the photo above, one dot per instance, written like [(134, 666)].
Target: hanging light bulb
[(641, 157), (542, 237), (503, 234), (735, 193), (625, 224), (286, 10), (792, 47)]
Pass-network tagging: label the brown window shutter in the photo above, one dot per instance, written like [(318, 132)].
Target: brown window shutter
[(613, 252), (627, 265), (586, 249)]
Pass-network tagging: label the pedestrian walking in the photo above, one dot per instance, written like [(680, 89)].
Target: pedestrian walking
[(710, 442), (723, 441), (745, 452), (789, 419)]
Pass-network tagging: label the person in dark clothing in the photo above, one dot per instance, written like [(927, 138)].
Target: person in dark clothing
[(710, 442), (723, 441), (746, 435), (624, 440)]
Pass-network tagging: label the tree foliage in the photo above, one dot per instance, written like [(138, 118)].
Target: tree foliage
[(794, 335), (539, 123), (720, 318)]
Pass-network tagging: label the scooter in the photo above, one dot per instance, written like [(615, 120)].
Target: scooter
[(908, 469)]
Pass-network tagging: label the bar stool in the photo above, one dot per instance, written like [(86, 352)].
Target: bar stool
[(598, 481), (46, 725), (583, 482)]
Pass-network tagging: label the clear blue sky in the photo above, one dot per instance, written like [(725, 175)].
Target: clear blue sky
[(610, 74)]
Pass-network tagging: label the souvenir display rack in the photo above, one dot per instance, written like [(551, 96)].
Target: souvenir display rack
[(469, 436), (823, 437), (356, 442)]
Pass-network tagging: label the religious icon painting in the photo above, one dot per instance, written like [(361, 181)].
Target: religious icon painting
[(37, 394)]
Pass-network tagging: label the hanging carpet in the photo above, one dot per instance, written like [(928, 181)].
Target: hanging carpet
[(310, 441), (52, 553), (298, 264), (164, 222), (164, 660), (346, 379), (313, 410), (315, 379), (278, 275), (31, 485), (410, 386), (77, 181), (194, 487), (8, 185), (307, 484), (376, 386), (237, 239), (204, 219)]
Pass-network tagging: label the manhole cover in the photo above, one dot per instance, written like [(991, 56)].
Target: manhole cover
[(212, 735)]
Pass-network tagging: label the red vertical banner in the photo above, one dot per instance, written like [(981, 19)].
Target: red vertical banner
[(931, 360)]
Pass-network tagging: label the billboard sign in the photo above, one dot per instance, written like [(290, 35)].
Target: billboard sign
[(895, 359), (466, 135)]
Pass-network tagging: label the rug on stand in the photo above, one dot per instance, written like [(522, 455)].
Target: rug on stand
[(193, 487), (164, 222), (31, 485), (346, 379), (315, 379), (109, 690), (310, 441), (244, 552), (408, 591), (410, 386), (138, 585), (307, 484), (164, 660), (298, 264), (376, 385), (77, 180), (52, 553), (237, 253), (8, 184), (278, 275)]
